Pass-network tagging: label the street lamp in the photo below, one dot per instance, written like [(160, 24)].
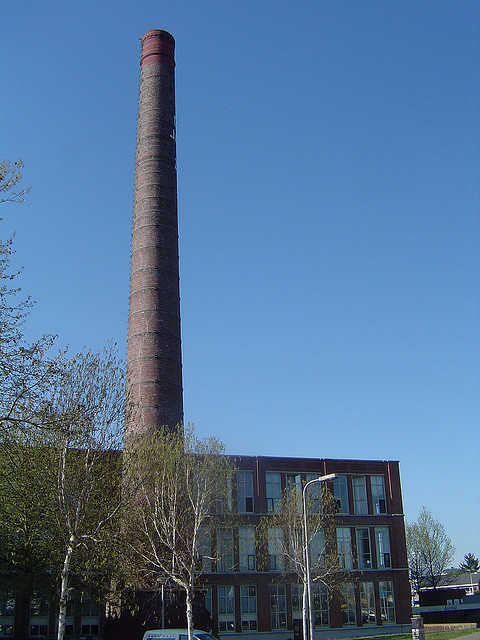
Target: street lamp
[(308, 614)]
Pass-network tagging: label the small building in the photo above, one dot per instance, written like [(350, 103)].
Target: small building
[(455, 600)]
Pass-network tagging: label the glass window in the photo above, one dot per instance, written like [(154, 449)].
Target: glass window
[(38, 630), (90, 629), (278, 606), (317, 550), (363, 549), (223, 500), (245, 491), (349, 610), (360, 505), (246, 547), (248, 604), (313, 496), (387, 602), (276, 560), (344, 547), (320, 604), (297, 600), (293, 481), (90, 605), (204, 549), (367, 603), (382, 540), (7, 602), (273, 491), (340, 493), (379, 500), (226, 608), (39, 605), (224, 549), (207, 594)]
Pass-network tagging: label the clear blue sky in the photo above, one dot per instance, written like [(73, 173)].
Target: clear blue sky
[(329, 192)]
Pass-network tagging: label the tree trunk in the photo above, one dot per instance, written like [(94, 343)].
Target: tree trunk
[(62, 608), (189, 607)]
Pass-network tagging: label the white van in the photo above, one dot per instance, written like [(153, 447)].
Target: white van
[(176, 634)]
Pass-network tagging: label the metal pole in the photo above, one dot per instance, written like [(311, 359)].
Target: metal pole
[(309, 613), (163, 606)]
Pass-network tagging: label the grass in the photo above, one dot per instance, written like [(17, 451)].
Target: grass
[(432, 635), (448, 635)]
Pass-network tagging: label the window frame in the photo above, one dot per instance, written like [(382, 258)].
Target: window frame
[(249, 618), (226, 608), (383, 548), (344, 548), (378, 493), (361, 553), (360, 499), (245, 497), (273, 491), (387, 606), (347, 594), (225, 556), (247, 559), (340, 493), (367, 603), (278, 616)]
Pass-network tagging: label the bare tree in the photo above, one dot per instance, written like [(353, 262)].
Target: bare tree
[(182, 479), (430, 551), (26, 371), (10, 177)]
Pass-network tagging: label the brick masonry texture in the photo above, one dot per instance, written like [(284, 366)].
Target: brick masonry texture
[(154, 360)]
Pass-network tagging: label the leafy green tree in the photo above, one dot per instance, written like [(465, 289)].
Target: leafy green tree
[(27, 506), (430, 551), (183, 483), (87, 412), (470, 563)]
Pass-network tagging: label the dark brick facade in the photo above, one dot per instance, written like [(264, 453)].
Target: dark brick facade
[(262, 578)]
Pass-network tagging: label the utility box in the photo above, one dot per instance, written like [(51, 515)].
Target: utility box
[(418, 632)]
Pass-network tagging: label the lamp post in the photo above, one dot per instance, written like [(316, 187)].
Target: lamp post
[(308, 614)]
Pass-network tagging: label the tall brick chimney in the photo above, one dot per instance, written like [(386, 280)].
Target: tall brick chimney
[(154, 358)]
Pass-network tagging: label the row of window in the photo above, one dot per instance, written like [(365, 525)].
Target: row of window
[(367, 492), (40, 613), (41, 630), (246, 561), (358, 606)]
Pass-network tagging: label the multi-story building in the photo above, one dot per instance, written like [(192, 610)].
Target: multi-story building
[(249, 589)]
